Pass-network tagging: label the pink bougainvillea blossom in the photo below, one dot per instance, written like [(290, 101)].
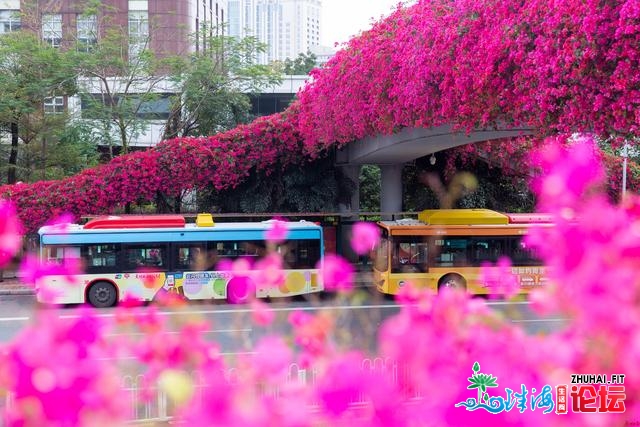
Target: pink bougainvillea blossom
[(365, 237), (63, 361), (573, 73), (277, 232), (32, 270), (268, 271), (499, 278), (272, 357), (261, 313), (337, 273), (10, 232), (546, 68)]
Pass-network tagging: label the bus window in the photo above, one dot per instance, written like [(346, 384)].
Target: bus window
[(100, 258), (450, 251), (487, 249), (409, 255), (143, 255), (521, 254), (381, 262), (190, 257), (300, 253), (57, 254)]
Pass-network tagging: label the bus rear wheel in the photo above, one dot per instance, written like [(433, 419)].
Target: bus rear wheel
[(102, 295), (452, 281)]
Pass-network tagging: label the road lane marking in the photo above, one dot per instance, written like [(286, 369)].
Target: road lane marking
[(14, 319), (210, 331), (244, 310)]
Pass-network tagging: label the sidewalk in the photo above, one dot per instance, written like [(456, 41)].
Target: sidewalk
[(11, 285)]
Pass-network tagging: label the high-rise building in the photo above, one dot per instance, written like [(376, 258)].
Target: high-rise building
[(287, 27), (241, 18), (166, 24)]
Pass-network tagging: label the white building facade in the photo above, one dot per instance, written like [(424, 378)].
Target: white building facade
[(287, 27)]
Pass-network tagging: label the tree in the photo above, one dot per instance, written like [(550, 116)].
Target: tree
[(303, 64), (31, 72), (296, 188), (213, 85), (119, 86), (370, 188)]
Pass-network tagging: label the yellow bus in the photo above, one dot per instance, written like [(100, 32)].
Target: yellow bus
[(446, 248)]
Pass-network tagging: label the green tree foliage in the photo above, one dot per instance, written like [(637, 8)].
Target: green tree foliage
[(425, 187), (303, 64), (213, 85), (30, 72), (301, 188), (120, 86), (370, 188)]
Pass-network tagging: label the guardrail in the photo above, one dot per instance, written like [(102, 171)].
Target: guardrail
[(149, 404)]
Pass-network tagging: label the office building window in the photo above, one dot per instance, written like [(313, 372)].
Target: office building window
[(87, 32), (138, 32), (52, 29), (9, 21), (54, 105)]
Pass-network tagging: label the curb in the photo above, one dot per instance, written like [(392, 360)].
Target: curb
[(11, 292), (13, 286)]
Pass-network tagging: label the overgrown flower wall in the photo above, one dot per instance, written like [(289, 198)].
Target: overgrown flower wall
[(552, 67)]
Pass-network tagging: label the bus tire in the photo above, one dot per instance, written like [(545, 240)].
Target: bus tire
[(102, 295), (452, 281)]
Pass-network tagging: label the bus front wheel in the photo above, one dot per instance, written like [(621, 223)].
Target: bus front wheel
[(102, 295), (452, 281)]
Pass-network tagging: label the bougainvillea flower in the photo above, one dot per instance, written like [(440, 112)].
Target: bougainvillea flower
[(10, 232), (337, 273), (365, 237), (277, 232)]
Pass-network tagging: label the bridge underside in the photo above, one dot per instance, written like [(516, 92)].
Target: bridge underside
[(412, 143), (390, 152)]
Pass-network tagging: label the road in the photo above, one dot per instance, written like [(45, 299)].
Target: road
[(231, 326)]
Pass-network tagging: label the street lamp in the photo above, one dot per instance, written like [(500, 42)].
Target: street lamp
[(625, 154)]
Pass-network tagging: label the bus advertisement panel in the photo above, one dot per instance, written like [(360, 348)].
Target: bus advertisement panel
[(449, 247), (137, 256)]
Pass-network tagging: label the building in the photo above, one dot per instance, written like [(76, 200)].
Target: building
[(241, 18), (65, 21), (167, 27), (287, 27), (163, 26)]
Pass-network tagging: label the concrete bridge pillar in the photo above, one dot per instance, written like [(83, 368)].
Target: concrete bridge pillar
[(390, 189)]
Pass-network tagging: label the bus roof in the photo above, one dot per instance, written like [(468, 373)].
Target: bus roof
[(469, 217), (143, 230), (461, 217)]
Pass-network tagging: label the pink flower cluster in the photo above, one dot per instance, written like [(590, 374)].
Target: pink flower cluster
[(539, 65), (62, 370)]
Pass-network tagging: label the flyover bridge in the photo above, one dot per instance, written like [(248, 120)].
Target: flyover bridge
[(390, 152)]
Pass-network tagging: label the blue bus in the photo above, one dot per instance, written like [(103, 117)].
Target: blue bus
[(142, 255)]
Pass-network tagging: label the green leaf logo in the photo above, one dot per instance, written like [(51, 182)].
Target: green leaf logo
[(481, 382)]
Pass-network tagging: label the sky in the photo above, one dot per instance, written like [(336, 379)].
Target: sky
[(343, 19)]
